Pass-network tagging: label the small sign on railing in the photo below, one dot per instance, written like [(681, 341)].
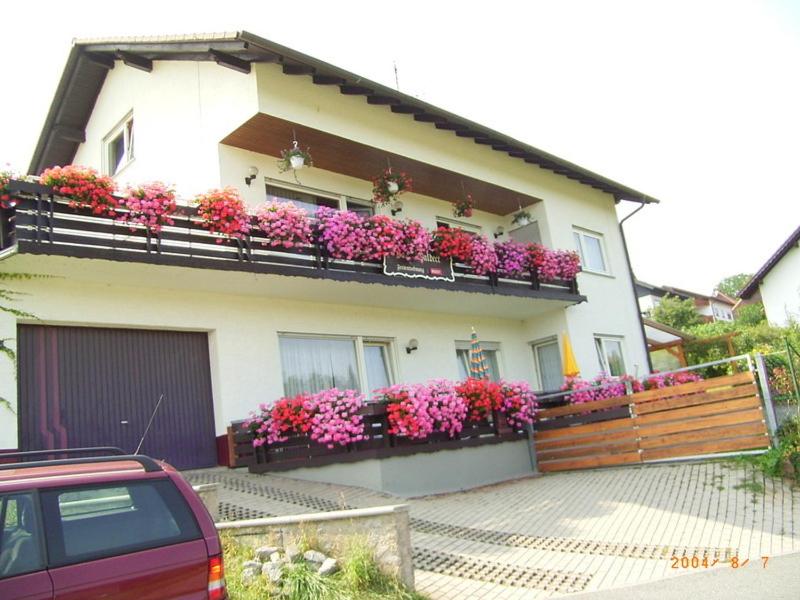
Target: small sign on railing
[(430, 267)]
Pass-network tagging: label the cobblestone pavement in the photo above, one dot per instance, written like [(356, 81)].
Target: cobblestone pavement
[(560, 533)]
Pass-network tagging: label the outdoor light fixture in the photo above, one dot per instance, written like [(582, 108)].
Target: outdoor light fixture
[(397, 206), (412, 345), (253, 172), (499, 231)]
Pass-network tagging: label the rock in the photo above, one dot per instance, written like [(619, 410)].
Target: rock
[(250, 570), (329, 567), (293, 554), (273, 571), (277, 558), (248, 577), (314, 556), (265, 553)]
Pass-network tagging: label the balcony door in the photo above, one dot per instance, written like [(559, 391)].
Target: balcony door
[(547, 359)]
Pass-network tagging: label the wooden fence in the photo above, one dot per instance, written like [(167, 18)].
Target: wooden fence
[(300, 451), (722, 414)]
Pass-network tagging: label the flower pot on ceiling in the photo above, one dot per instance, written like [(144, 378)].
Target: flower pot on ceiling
[(392, 187), (297, 161)]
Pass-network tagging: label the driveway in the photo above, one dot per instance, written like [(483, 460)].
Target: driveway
[(559, 533)]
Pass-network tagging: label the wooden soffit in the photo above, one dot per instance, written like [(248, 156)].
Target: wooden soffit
[(269, 135)]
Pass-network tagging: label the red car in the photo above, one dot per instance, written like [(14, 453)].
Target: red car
[(119, 526)]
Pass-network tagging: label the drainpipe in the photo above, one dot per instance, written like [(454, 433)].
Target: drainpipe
[(633, 285)]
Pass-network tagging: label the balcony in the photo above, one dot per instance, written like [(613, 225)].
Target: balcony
[(42, 223)]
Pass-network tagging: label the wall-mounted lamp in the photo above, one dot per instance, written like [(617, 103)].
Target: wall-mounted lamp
[(499, 231), (412, 345), (397, 206), (253, 172)]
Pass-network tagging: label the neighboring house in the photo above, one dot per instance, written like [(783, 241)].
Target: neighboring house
[(717, 307), (777, 283), (218, 331)]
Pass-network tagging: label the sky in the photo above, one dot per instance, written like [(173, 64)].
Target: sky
[(694, 103)]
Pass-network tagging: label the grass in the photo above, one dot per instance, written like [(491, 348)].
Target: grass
[(359, 578)]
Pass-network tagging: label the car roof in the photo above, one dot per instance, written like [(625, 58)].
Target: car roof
[(71, 472)]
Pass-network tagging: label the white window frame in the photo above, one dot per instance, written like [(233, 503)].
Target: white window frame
[(342, 199), (582, 233), (476, 229), (361, 363), (535, 345), (602, 357), (495, 347), (129, 150)]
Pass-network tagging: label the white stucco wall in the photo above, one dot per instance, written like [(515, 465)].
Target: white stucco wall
[(181, 110), (243, 328), (780, 290)]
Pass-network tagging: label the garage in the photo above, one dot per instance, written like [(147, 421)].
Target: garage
[(88, 386)]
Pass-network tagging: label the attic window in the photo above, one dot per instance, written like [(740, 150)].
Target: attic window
[(118, 146)]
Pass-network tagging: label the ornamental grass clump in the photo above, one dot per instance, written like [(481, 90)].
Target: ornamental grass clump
[(284, 224), (149, 204), (223, 212), (84, 187)]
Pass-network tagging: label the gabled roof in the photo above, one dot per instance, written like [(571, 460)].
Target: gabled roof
[(90, 60), (752, 286), (662, 290), (667, 329)]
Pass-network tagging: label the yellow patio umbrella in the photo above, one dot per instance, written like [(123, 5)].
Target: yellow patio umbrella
[(570, 365)]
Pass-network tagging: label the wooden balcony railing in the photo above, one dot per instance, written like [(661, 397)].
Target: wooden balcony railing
[(43, 223), (300, 451)]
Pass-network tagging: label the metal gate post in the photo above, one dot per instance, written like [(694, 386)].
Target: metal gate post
[(766, 396), (532, 450)]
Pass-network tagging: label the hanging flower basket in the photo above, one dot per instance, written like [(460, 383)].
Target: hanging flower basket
[(464, 208), (388, 186), (84, 187), (521, 218), (294, 158)]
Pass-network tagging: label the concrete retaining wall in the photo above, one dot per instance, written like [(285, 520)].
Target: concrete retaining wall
[(384, 528), (428, 473)]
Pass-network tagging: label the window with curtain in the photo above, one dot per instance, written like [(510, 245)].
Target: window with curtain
[(547, 357), (590, 248), (312, 364), (309, 202), (610, 354), (490, 352)]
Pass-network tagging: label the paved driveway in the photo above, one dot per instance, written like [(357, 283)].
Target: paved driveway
[(559, 533)]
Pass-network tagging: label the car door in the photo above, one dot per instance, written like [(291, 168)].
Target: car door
[(23, 573), (124, 540)]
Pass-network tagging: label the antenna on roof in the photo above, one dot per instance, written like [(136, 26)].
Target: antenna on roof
[(396, 79), (149, 423)]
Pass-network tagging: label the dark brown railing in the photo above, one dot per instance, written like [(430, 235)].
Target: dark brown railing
[(300, 451), (43, 223)]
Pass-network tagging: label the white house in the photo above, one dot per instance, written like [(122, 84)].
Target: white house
[(716, 307), (777, 283), (119, 324)]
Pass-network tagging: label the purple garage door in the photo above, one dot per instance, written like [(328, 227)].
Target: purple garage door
[(86, 386)]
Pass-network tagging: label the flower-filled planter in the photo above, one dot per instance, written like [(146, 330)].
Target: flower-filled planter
[(275, 423), (342, 234), (84, 187), (416, 240), (569, 264), (5, 197), (384, 237), (518, 403), (284, 224), (445, 407), (512, 258), (464, 208), (150, 204), (481, 396), (294, 158), (336, 420), (389, 185), (223, 212), (544, 261), (406, 411), (452, 242), (482, 256)]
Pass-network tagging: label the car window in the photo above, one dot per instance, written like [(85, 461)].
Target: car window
[(88, 523), (20, 537)]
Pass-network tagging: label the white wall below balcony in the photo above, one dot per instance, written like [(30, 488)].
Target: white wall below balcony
[(243, 327)]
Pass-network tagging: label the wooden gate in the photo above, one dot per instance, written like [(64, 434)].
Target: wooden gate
[(723, 414)]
